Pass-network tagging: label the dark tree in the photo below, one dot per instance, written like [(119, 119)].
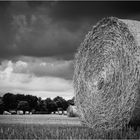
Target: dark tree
[(20, 97), (61, 103), (1, 106), (23, 105), (50, 105), (71, 101), (53, 106), (32, 100), (28, 102), (41, 106), (65, 105), (9, 101)]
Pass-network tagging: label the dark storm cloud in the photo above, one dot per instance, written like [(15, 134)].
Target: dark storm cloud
[(41, 67), (53, 28), (79, 10)]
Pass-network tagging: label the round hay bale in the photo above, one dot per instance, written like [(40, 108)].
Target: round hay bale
[(106, 74), (72, 111)]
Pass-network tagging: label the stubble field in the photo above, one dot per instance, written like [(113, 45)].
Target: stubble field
[(54, 127)]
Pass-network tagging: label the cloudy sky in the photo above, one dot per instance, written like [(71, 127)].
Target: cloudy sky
[(38, 41)]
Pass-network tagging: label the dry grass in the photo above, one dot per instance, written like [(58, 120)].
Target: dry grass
[(52, 127), (106, 75), (37, 131), (40, 119)]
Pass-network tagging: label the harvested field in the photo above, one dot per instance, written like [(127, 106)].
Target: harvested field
[(47, 127), (39, 119)]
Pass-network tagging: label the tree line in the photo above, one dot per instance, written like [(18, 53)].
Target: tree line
[(33, 104)]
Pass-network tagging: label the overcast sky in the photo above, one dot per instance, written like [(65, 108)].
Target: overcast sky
[(38, 41)]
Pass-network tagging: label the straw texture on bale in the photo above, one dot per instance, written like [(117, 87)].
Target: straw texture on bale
[(106, 74)]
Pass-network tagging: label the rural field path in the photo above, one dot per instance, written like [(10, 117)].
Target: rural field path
[(39, 119)]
